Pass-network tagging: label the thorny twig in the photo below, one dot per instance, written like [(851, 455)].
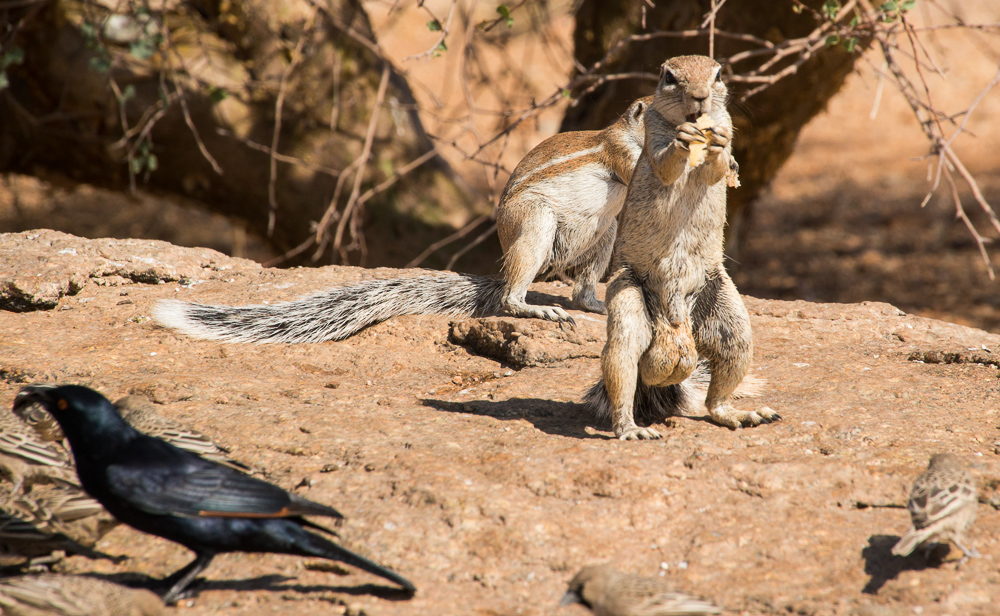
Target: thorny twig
[(272, 199), (773, 62)]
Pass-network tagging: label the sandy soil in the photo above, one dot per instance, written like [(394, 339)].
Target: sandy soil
[(487, 484)]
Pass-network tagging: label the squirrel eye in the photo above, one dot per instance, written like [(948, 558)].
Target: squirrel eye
[(718, 75), (667, 78)]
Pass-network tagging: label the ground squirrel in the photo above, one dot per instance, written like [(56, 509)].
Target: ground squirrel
[(558, 213), (670, 298)]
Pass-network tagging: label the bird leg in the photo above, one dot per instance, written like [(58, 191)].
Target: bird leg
[(966, 552), (183, 578)]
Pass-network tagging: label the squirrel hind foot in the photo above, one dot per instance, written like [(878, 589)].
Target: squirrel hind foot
[(548, 313), (727, 416), (590, 304)]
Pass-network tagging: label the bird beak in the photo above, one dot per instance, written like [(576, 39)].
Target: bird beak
[(570, 598), (31, 394)]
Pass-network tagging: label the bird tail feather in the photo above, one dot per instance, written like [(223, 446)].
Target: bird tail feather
[(315, 545), (336, 313), (909, 542)]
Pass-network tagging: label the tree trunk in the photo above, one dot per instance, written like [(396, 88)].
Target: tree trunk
[(105, 88), (767, 124)]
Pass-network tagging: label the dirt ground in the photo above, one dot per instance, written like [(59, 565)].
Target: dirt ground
[(482, 479), (476, 473)]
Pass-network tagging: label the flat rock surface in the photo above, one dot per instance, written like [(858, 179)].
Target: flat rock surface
[(474, 470)]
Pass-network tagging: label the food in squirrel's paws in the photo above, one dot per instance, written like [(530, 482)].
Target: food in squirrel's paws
[(697, 155)]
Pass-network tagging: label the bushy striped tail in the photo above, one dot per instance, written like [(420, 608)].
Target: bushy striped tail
[(337, 313)]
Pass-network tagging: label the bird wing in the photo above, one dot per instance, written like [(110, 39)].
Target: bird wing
[(181, 483), (651, 597), (31, 448), (13, 527), (937, 496), (44, 593), (209, 490)]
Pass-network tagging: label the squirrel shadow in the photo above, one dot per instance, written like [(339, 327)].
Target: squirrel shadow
[(539, 298), (270, 582), (552, 417), (882, 565)]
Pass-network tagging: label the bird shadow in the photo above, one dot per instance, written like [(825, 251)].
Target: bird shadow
[(568, 419), (271, 582), (882, 565)]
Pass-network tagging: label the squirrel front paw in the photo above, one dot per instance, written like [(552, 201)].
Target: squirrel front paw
[(719, 138), (688, 133)]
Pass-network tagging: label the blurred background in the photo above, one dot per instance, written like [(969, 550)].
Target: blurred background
[(380, 133)]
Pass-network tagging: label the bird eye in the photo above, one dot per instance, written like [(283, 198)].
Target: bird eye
[(667, 78)]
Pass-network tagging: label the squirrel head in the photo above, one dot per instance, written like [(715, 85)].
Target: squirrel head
[(689, 87)]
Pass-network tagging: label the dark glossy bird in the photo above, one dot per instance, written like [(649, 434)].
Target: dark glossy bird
[(162, 490), (140, 413)]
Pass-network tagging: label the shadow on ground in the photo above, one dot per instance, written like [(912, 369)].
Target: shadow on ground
[(882, 565), (551, 417)]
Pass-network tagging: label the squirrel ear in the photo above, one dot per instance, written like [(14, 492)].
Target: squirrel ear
[(638, 108)]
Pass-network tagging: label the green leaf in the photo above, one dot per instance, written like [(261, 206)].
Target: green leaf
[(831, 8), (889, 7), (832, 40), (101, 64), (88, 31), (14, 55), (434, 25), (4, 81), (855, 21), (143, 49), (907, 5), (566, 94), (504, 11), (128, 92), (851, 43), (440, 49), (152, 162), (216, 94)]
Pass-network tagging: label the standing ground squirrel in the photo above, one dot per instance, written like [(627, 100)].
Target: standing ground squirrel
[(670, 298), (558, 212)]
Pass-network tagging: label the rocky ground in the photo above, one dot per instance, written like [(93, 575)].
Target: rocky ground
[(474, 470)]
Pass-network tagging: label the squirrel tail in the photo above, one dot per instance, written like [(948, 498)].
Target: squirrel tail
[(654, 404), (336, 313)]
